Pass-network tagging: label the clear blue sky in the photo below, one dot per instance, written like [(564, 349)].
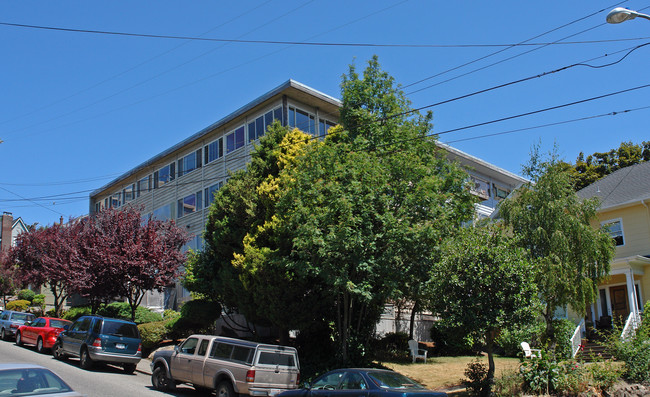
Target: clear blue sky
[(78, 109)]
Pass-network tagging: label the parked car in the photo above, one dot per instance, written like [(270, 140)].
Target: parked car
[(361, 382), (41, 332), (11, 320), (32, 380), (229, 366), (100, 339)]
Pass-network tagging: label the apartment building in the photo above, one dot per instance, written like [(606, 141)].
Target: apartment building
[(180, 182)]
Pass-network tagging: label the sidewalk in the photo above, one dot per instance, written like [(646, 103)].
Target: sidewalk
[(144, 366)]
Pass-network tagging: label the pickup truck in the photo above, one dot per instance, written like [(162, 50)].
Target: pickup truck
[(228, 366)]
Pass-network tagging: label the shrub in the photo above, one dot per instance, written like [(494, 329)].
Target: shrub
[(562, 332), (169, 314), (122, 310), (571, 379), (26, 295), (451, 341), (541, 375), (476, 373), (635, 352), (201, 312), (391, 347), (39, 303), (510, 339), (509, 384), (75, 312), (152, 334), (604, 374), (19, 305)]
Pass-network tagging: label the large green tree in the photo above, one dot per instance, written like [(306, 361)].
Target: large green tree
[(570, 256), (484, 283), (368, 207)]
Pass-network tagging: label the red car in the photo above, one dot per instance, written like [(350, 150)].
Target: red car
[(41, 332)]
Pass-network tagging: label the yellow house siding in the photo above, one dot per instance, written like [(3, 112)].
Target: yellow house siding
[(636, 229)]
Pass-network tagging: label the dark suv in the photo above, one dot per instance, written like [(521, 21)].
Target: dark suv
[(97, 338)]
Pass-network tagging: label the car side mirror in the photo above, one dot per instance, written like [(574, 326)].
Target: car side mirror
[(66, 328), (177, 348)]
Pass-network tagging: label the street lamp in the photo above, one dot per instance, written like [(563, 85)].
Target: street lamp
[(620, 14)]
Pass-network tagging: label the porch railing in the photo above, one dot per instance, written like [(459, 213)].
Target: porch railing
[(631, 324), (576, 339)]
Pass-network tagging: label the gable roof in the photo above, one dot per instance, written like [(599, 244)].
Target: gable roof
[(621, 188), (18, 222)]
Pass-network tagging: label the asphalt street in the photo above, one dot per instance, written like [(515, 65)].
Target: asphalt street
[(102, 381)]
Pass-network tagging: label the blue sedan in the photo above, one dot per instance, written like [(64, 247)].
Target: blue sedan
[(362, 382)]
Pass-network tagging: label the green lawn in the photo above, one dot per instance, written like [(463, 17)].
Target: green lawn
[(446, 372)]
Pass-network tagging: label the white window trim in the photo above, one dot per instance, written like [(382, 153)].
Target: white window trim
[(614, 220)]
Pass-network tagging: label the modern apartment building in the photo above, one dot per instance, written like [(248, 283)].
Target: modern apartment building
[(180, 182)]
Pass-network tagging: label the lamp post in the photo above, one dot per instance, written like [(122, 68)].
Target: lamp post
[(620, 14)]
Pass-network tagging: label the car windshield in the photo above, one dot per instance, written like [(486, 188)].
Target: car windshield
[(59, 323), (22, 317), (31, 382), (393, 380), (117, 328)]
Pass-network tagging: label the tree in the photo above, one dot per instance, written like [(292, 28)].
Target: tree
[(483, 284), (49, 256), (129, 254), (237, 266), (570, 256), (367, 208), (596, 166), (7, 276)]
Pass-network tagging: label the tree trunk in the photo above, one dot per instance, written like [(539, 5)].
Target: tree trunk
[(489, 347), (414, 311), (284, 336)]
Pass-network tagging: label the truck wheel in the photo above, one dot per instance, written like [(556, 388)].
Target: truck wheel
[(57, 351), (85, 361), (224, 389), (160, 381), (19, 339)]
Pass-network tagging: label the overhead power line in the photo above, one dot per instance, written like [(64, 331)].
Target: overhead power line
[(309, 43)]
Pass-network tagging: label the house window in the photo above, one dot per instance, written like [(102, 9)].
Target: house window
[(128, 193), (258, 127), (163, 213), (144, 185), (209, 193), (615, 230), (302, 120), (116, 200), (189, 163), (164, 175), (480, 187), (189, 204), (214, 151), (324, 126), (500, 193), (235, 139)]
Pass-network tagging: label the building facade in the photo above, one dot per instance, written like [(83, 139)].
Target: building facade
[(180, 182), (625, 212)]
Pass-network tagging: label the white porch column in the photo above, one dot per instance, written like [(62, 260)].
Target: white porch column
[(631, 292)]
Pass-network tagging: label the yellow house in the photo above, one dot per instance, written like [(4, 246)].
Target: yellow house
[(625, 212)]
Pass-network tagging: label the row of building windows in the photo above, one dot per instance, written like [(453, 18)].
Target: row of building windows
[(234, 140)]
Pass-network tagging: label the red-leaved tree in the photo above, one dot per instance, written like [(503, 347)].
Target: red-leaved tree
[(127, 256), (50, 256), (7, 276)]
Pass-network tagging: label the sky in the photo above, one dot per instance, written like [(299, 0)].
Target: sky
[(78, 109)]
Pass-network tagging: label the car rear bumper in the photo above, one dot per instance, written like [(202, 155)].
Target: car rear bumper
[(99, 355), (261, 392)]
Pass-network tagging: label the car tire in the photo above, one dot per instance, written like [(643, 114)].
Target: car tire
[(224, 389), (129, 368), (39, 345), (85, 361), (3, 334), (19, 339), (161, 381), (57, 351)]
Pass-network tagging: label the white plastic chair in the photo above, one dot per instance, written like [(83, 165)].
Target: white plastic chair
[(416, 352), (530, 353)]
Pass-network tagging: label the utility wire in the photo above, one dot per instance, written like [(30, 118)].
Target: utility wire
[(307, 43), (508, 48), (40, 205), (132, 68)]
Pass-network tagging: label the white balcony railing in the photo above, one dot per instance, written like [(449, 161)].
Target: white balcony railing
[(576, 339)]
